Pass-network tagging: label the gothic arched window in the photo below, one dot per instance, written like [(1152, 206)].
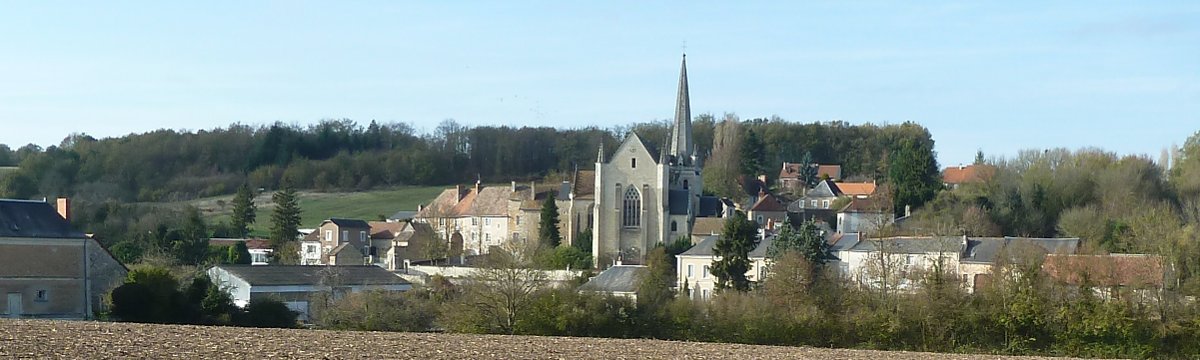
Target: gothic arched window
[(633, 208), (674, 227)]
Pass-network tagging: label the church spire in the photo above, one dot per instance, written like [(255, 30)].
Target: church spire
[(681, 139)]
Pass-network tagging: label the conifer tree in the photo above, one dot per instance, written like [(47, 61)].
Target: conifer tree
[(243, 210), (285, 223), (733, 249), (548, 226)]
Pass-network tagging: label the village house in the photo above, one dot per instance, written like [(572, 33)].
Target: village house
[(297, 285), (337, 242), (525, 205), (863, 215), (789, 176), (398, 242), (767, 212), (693, 267), (955, 176), (472, 219), (48, 269)]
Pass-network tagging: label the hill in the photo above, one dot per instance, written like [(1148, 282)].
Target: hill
[(103, 340), (317, 206)]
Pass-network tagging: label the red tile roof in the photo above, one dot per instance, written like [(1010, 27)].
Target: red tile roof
[(856, 188), (965, 174), (768, 202), (1136, 270), (792, 171), (250, 243)]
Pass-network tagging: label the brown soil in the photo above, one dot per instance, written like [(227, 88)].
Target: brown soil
[(41, 339)]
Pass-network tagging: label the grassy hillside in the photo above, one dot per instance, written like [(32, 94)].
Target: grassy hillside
[(316, 206)]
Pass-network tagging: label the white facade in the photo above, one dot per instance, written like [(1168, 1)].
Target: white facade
[(695, 271)]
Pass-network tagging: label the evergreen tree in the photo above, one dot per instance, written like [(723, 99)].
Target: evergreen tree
[(733, 249), (189, 244), (913, 173), (243, 210), (655, 280), (808, 171), (805, 240), (285, 223), (548, 227), (239, 254), (754, 156)]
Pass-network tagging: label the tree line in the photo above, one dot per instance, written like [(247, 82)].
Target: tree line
[(170, 165)]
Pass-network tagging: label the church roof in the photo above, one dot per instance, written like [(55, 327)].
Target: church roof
[(712, 206), (585, 184), (677, 201), (681, 139)]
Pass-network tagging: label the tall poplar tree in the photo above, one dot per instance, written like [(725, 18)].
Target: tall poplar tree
[(243, 210)]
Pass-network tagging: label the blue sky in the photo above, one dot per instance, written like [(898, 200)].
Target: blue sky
[(997, 76)]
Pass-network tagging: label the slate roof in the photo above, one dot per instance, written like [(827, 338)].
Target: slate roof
[(705, 247), (33, 219), (988, 249), (842, 242), (910, 245), (352, 223), (271, 275), (824, 189), (403, 215), (619, 278), (677, 200), (712, 206)]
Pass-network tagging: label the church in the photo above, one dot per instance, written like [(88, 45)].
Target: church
[(643, 199)]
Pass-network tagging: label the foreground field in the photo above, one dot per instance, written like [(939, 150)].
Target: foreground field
[(99, 340)]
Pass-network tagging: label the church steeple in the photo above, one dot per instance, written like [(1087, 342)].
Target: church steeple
[(681, 139)]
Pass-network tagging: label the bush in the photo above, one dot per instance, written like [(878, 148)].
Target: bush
[(267, 313), (380, 311)]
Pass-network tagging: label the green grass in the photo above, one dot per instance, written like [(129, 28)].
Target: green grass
[(316, 206)]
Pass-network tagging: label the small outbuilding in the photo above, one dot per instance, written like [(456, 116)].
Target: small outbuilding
[(296, 285)]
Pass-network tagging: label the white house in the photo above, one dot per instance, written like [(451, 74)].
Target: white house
[(295, 285), (693, 267)]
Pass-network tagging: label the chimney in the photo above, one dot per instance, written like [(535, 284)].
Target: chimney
[(458, 192), (477, 185), (514, 186), (532, 190), (763, 178), (907, 210), (420, 207), (64, 208)]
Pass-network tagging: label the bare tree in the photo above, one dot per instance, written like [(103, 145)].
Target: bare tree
[(499, 292)]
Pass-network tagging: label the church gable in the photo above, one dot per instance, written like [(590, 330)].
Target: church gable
[(633, 154)]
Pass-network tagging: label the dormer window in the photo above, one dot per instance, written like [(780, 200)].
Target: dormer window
[(633, 163)]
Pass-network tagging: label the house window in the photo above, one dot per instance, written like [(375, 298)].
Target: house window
[(633, 208), (689, 273), (311, 249), (487, 238), (474, 221), (674, 227), (825, 204), (704, 294), (42, 295), (362, 236), (487, 221), (518, 221), (515, 236), (345, 236), (685, 184), (813, 203), (691, 293), (760, 219), (705, 274), (633, 163), (328, 235)]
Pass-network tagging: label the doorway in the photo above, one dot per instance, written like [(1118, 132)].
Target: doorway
[(14, 305)]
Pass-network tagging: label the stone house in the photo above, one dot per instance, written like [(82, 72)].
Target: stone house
[(473, 219), (337, 241), (789, 175), (48, 269)]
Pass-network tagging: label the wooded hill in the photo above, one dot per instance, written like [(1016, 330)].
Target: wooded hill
[(343, 155)]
